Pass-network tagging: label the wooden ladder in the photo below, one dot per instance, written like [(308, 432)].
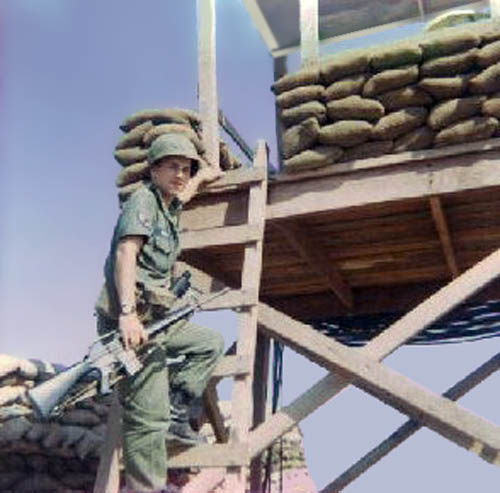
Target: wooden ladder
[(232, 456)]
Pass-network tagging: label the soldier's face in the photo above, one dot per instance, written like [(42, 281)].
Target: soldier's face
[(171, 175)]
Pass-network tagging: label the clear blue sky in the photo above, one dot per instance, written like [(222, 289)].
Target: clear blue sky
[(71, 71)]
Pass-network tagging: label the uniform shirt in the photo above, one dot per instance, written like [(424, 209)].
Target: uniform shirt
[(144, 214)]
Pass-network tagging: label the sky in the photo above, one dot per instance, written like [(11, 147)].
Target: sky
[(70, 72)]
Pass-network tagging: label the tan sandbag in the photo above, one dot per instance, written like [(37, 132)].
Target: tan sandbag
[(9, 395), (355, 108), (348, 86), (37, 432), (292, 116), (399, 122), (14, 429), (129, 156), (300, 137), (54, 437), (489, 32), (346, 133), (312, 159), (82, 417), (445, 87), (305, 77), (473, 129), (175, 128), (88, 445), (447, 42), (227, 159), (132, 173), (368, 149), (134, 137), (396, 55), (404, 97), (14, 411), (339, 66), (449, 66), (390, 79), (126, 191), (488, 54), (444, 114), (11, 364), (71, 435), (158, 116), (98, 407), (491, 106), (487, 81), (300, 95), (420, 138)]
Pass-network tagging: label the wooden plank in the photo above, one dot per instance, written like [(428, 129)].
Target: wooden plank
[(441, 415), (211, 455), (409, 428), (397, 334), (213, 413), (444, 235), (230, 235), (233, 299), (309, 33), (205, 481), (236, 178), (317, 259), (231, 366)]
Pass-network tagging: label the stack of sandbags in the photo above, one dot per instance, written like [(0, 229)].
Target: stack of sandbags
[(429, 91), (59, 455), (142, 128)]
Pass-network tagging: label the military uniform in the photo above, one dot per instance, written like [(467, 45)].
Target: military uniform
[(145, 396)]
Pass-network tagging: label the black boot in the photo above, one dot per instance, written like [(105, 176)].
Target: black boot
[(180, 429)]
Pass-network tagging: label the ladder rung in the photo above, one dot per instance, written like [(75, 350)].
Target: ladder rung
[(228, 235), (231, 366), (232, 299), (216, 455), (239, 177)]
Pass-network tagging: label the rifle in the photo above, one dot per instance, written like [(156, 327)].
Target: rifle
[(104, 365)]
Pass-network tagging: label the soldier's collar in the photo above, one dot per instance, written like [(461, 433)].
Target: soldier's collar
[(173, 208)]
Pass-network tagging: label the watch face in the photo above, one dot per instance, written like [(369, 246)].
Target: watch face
[(127, 309)]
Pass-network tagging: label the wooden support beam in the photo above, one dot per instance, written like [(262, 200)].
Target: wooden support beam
[(298, 237), (230, 235), (233, 299), (231, 366), (410, 427), (309, 33), (210, 455), (213, 413), (444, 234)]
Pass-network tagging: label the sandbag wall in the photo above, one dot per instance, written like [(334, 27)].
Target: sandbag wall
[(142, 128), (425, 92)]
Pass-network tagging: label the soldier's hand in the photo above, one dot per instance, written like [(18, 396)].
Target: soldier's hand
[(132, 330)]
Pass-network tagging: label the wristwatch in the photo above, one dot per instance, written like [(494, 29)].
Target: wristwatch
[(127, 308)]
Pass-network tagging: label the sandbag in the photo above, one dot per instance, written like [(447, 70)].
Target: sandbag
[(368, 149), (300, 95), (390, 79), (414, 140), (227, 160), (175, 128), (449, 66), (404, 97), (11, 394), (395, 55), (312, 158), (355, 108), (133, 173), (9, 479), (300, 137), (488, 54), (88, 445), (126, 191), (14, 411), (304, 77), (11, 364), (40, 483), (346, 133), (295, 115), (341, 65), (445, 87), (158, 116), (345, 87), (473, 129), (82, 417), (444, 114), (491, 106), (134, 137), (487, 81), (14, 429), (399, 122), (37, 432), (129, 156), (448, 42)]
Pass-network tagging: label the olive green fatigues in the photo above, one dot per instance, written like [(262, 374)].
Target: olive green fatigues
[(145, 396)]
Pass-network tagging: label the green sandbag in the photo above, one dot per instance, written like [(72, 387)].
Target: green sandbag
[(134, 137), (448, 66), (158, 116), (129, 156), (346, 133), (404, 97), (317, 157), (341, 65), (348, 86), (367, 150), (178, 128), (448, 42), (491, 106), (487, 81), (473, 129), (292, 116), (399, 122), (300, 137), (488, 54), (126, 191), (300, 95), (305, 77), (132, 173), (396, 55), (414, 140), (355, 108), (446, 87), (444, 114), (390, 79)]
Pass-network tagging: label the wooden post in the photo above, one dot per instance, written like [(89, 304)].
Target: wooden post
[(495, 9), (309, 33), (280, 69)]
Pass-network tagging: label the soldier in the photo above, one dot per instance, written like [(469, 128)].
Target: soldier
[(138, 274)]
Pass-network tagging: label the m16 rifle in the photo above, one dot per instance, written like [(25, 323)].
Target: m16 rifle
[(106, 362)]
